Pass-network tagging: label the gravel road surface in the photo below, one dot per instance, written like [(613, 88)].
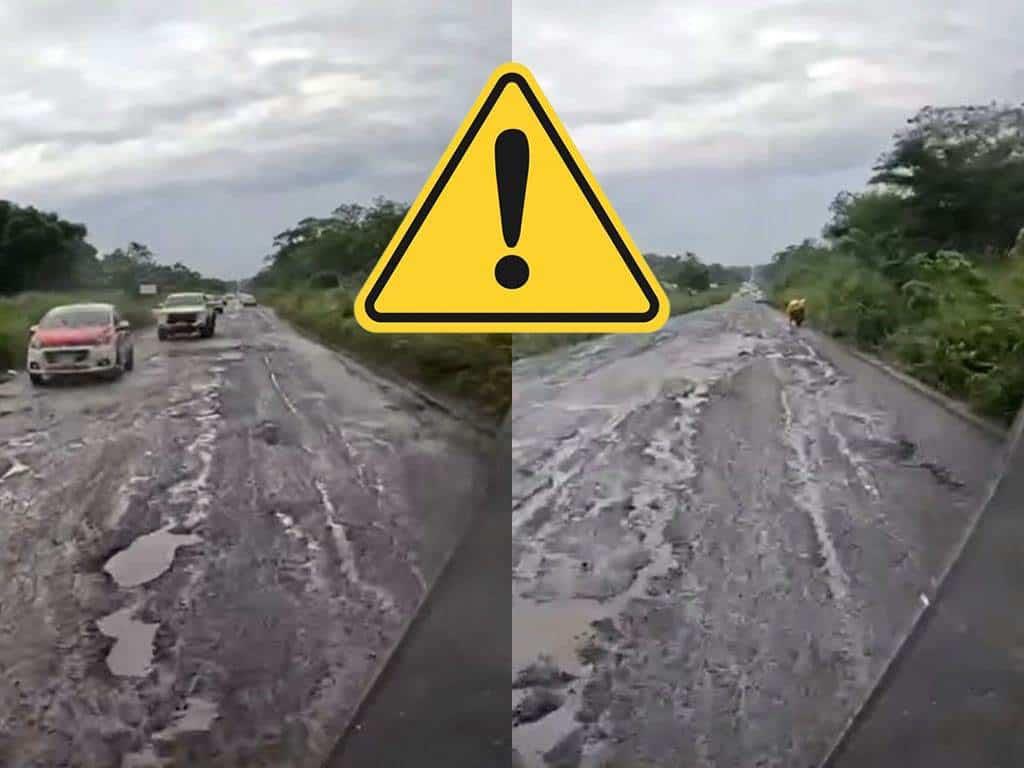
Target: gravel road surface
[(721, 531), (206, 562)]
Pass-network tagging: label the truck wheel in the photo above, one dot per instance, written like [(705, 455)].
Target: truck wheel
[(36, 379), (130, 362), (161, 334), (116, 370)]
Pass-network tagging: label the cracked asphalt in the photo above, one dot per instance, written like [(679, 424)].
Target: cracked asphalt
[(206, 562), (721, 533)]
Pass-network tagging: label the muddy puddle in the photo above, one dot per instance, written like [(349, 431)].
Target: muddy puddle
[(198, 715), (132, 654), (561, 628), (147, 557)]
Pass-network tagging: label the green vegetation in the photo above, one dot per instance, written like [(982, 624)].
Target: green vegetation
[(40, 251), (312, 277), (46, 261), (473, 367), (926, 267), (315, 269), (19, 313), (689, 272)]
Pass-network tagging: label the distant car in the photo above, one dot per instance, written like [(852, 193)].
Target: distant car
[(217, 302), (78, 339), (185, 313), (248, 300)]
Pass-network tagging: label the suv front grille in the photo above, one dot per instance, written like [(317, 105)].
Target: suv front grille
[(181, 317)]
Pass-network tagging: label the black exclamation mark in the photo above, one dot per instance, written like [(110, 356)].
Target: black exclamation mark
[(511, 166)]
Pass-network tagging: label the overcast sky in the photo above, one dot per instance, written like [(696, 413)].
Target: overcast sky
[(202, 129)]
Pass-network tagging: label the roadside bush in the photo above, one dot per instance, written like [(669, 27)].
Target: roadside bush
[(950, 325), (325, 280)]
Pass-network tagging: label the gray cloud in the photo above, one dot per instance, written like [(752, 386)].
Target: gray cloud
[(204, 128)]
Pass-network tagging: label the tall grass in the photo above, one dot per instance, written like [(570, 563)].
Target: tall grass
[(19, 313), (951, 324)]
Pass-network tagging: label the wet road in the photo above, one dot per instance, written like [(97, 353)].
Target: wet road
[(953, 697), (441, 701), (721, 532), (206, 562)]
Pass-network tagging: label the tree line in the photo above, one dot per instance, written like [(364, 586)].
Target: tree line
[(342, 248), (332, 250), (952, 181), (688, 271), (926, 265), (40, 251)]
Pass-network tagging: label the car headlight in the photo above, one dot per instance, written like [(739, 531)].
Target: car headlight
[(35, 343)]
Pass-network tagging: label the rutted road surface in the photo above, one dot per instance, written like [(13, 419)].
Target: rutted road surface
[(205, 562), (721, 532)]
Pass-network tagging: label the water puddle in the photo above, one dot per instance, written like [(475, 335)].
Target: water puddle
[(557, 627), (147, 557), (133, 651), (197, 716), (533, 740), (560, 627)]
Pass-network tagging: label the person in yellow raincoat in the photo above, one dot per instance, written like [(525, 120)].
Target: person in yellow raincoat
[(796, 309)]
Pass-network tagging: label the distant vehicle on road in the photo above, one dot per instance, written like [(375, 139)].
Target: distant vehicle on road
[(78, 339), (247, 299), (185, 313)]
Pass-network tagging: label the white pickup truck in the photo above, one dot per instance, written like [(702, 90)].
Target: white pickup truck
[(185, 313)]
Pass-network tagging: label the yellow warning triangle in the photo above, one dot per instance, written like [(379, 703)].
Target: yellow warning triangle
[(511, 234)]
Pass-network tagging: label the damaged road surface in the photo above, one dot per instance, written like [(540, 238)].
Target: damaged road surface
[(206, 562), (722, 532)]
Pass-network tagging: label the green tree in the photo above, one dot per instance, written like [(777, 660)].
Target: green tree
[(693, 274), (960, 173), (347, 244), (40, 250)]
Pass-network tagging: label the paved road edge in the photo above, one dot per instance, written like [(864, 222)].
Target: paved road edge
[(403, 635), (938, 586), (449, 406)]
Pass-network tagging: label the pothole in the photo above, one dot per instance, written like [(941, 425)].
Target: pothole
[(132, 653), (198, 715), (147, 557)]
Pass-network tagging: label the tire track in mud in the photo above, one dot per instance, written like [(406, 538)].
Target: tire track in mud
[(87, 709), (644, 458), (274, 521)]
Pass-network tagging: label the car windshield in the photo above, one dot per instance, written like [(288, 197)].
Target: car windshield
[(75, 317), (184, 300)]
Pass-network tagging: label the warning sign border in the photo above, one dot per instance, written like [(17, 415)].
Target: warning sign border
[(504, 81)]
